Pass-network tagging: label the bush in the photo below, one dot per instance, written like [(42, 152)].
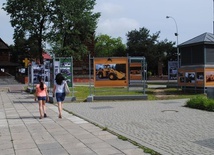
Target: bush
[(149, 73), (201, 102)]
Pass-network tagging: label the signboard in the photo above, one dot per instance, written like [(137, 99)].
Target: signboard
[(191, 77), (172, 70), (37, 70), (64, 66)]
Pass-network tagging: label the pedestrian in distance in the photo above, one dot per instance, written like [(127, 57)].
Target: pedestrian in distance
[(41, 95), (59, 91)]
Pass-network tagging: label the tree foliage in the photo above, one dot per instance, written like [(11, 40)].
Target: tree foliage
[(167, 52), (105, 46), (72, 26), (29, 21), (142, 43), (67, 24)]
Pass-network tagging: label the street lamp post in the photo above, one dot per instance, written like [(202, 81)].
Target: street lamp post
[(213, 16), (176, 34)]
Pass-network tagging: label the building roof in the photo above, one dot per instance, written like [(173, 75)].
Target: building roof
[(46, 56), (3, 45), (205, 38)]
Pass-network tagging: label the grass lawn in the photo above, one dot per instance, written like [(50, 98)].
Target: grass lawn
[(82, 92)]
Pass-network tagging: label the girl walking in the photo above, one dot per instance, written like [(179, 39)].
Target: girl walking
[(42, 96), (59, 90)]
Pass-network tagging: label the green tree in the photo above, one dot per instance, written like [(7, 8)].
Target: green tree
[(105, 46), (166, 52), (142, 43), (29, 19), (73, 24), (19, 50)]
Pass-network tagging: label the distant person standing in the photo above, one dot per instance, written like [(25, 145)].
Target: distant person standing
[(59, 90), (42, 96)]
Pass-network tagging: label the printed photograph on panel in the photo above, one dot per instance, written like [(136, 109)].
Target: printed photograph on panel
[(136, 71), (65, 70), (210, 76), (200, 76), (38, 70), (181, 76), (110, 72), (190, 77)]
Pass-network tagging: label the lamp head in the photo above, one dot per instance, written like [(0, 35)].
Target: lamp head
[(167, 16)]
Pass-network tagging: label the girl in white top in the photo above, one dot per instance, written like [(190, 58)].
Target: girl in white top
[(59, 90)]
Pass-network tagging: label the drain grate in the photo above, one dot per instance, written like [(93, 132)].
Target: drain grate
[(169, 111), (103, 107), (169, 102)]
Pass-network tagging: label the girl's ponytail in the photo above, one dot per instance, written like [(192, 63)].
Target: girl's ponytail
[(41, 86)]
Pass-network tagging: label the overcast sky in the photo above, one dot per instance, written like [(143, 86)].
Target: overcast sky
[(118, 17)]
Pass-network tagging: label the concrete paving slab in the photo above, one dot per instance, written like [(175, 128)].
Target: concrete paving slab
[(82, 151), (34, 151), (107, 151)]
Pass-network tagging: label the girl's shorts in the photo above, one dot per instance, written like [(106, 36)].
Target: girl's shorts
[(60, 97), (43, 98)]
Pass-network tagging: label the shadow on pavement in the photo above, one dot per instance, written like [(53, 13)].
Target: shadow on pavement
[(24, 117), (21, 102)]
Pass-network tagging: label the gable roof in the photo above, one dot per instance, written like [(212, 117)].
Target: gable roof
[(3, 45), (205, 38)]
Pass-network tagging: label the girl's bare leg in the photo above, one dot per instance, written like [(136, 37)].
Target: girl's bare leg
[(44, 108), (60, 109), (40, 109)]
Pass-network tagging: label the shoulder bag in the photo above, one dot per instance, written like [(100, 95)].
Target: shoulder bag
[(67, 90)]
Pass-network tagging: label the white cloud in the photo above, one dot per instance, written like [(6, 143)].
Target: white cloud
[(117, 27), (109, 9), (112, 21), (118, 17), (193, 17), (6, 31)]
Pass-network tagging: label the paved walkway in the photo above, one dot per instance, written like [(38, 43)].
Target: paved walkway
[(23, 133), (165, 125)]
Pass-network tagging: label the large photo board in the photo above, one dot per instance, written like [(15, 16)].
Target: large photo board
[(110, 72), (191, 77), (38, 70)]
